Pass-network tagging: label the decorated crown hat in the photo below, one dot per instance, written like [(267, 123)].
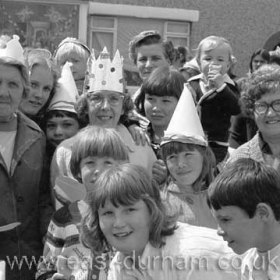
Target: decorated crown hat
[(12, 49), (185, 125), (66, 93), (104, 74)]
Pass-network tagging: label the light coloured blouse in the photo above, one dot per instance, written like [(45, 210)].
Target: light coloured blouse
[(189, 207), (264, 266), (191, 253)]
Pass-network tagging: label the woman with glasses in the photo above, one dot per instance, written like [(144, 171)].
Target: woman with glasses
[(104, 104), (262, 102)]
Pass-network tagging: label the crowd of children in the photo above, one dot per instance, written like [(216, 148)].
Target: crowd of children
[(98, 184)]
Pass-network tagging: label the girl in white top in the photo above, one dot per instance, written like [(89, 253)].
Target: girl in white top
[(126, 213)]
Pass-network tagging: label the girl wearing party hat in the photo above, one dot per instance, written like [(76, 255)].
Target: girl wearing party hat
[(190, 163)]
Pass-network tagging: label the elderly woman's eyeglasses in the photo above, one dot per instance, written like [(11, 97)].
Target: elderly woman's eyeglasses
[(262, 107), (113, 99)]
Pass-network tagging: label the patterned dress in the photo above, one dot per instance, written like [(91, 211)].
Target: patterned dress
[(63, 251)]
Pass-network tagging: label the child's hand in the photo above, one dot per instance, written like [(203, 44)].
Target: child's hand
[(215, 77), (139, 135), (159, 171)]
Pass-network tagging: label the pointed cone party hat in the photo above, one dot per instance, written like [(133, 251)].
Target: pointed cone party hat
[(12, 49), (185, 125), (66, 93)]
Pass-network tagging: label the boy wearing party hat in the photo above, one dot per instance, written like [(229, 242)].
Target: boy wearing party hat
[(61, 120), (190, 163)]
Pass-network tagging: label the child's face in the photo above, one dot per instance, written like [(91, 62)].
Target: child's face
[(185, 167), (218, 56), (149, 57), (60, 128), (78, 64), (235, 226), (126, 228), (41, 85), (159, 109), (91, 167), (257, 62)]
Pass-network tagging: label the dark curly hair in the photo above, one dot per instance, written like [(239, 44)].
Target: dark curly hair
[(264, 80)]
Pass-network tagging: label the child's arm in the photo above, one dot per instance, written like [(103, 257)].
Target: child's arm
[(159, 172), (52, 248)]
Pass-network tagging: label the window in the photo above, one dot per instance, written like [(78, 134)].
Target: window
[(103, 32), (177, 32)]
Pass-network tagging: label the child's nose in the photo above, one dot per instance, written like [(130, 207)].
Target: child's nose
[(149, 63), (58, 130), (119, 221), (220, 231)]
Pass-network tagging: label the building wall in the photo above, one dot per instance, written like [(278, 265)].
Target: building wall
[(247, 24)]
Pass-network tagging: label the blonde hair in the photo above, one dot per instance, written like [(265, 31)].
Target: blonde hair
[(68, 46), (210, 43)]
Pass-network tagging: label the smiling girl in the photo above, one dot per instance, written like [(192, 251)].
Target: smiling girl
[(190, 163), (126, 213)]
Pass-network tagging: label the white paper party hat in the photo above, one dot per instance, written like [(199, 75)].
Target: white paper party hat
[(66, 93), (12, 49), (185, 125), (105, 74)]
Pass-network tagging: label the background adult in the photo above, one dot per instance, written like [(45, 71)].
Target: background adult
[(43, 74), (243, 127), (104, 104), (24, 195), (148, 51), (262, 103)]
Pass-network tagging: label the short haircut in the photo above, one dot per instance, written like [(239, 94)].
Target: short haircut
[(210, 43), (163, 81), (125, 185), (96, 142), (60, 114), (22, 70), (150, 37), (17, 64), (68, 46), (262, 53), (245, 183), (264, 80), (207, 173)]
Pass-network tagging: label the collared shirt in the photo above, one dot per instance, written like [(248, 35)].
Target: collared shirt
[(261, 266), (258, 150)]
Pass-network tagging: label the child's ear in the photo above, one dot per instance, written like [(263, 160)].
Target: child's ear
[(264, 212)]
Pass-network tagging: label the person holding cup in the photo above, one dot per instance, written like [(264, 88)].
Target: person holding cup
[(214, 92)]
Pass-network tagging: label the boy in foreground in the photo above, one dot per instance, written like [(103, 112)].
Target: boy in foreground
[(245, 200)]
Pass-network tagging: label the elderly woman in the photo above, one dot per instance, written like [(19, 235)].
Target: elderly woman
[(24, 195), (104, 104), (243, 127), (262, 102)]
